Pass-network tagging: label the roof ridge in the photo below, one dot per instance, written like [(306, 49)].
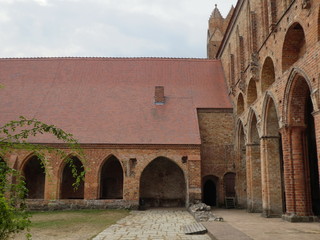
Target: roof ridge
[(106, 58)]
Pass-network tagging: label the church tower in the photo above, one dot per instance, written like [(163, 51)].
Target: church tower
[(216, 30)]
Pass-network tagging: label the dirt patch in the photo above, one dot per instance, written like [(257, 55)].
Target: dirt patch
[(71, 225)]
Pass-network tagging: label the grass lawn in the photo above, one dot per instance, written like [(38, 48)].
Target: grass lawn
[(69, 225)]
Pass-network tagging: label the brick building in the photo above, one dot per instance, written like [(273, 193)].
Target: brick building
[(243, 123), (140, 122), (270, 56)]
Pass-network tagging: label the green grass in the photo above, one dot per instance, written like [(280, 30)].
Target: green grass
[(66, 219), (82, 224)]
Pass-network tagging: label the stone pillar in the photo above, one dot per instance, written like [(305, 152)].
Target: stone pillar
[(254, 191)]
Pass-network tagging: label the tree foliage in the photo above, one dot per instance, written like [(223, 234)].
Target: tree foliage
[(14, 136)]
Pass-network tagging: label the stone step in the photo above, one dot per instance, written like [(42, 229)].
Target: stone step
[(195, 228)]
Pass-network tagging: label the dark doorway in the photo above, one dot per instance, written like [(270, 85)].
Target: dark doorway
[(313, 160), (111, 181), (67, 189), (162, 184), (34, 174), (229, 184), (210, 193)]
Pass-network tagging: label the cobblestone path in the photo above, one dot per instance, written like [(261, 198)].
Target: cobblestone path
[(152, 225)]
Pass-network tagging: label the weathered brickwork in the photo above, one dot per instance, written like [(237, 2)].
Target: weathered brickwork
[(217, 156), (185, 161), (276, 75)]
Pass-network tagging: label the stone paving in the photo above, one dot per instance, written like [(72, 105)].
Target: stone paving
[(152, 225)]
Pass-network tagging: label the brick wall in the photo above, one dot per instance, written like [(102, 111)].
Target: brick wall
[(288, 53), (217, 149), (133, 160)]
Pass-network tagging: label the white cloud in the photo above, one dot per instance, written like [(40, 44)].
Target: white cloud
[(105, 27)]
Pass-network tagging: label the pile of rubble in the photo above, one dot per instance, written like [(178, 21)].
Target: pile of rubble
[(203, 213)]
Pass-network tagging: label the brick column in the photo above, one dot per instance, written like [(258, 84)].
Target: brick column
[(303, 200), (91, 186), (271, 176), (194, 179), (298, 197), (51, 184), (254, 191)]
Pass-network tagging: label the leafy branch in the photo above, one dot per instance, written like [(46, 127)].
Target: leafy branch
[(14, 136)]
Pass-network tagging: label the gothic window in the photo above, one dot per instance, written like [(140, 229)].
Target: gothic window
[(294, 46)]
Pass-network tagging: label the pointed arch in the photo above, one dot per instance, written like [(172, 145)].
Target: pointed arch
[(252, 93), (111, 178), (254, 189), (241, 178), (163, 184), (294, 46), (3, 167), (67, 190), (272, 165), (268, 75), (253, 131), (302, 144), (240, 104), (34, 173)]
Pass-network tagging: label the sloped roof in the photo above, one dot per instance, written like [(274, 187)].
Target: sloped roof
[(111, 100)]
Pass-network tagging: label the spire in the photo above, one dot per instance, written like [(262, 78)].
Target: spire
[(216, 13), (230, 12)]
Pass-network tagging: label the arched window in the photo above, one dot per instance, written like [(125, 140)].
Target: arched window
[(251, 92), (294, 46), (111, 179), (34, 174), (67, 190), (265, 14), (267, 75), (240, 104)]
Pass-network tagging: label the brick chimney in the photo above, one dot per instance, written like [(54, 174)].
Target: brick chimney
[(159, 98)]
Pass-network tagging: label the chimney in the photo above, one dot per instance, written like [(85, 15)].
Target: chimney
[(159, 95)]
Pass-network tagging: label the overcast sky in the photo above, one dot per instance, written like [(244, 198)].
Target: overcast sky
[(106, 28)]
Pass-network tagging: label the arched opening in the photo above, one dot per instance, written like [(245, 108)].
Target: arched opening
[(34, 174), (162, 184), (241, 177), (3, 164), (267, 75), (210, 190), (240, 104), (294, 46), (254, 168), (67, 190), (302, 122), (312, 158), (252, 92), (3, 171), (229, 181), (273, 179), (111, 179)]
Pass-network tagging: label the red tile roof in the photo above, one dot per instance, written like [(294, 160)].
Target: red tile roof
[(111, 100)]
